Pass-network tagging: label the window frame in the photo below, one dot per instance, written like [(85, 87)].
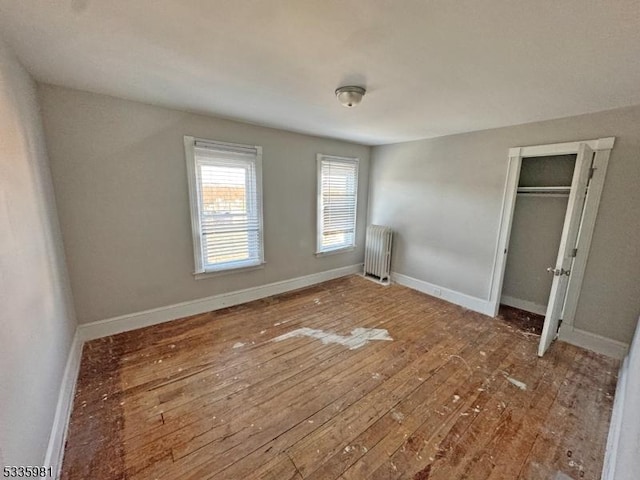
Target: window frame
[(200, 269), (319, 224)]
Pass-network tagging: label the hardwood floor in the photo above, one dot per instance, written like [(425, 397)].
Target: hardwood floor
[(455, 395)]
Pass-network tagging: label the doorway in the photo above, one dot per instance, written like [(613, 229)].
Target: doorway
[(540, 208), (549, 218)]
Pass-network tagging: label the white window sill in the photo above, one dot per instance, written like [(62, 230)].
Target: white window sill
[(335, 252), (227, 271)]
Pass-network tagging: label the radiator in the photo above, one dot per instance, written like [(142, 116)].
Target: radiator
[(377, 253)]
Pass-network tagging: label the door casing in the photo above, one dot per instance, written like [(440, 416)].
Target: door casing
[(602, 148)]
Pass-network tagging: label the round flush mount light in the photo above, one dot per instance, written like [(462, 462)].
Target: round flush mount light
[(350, 96)]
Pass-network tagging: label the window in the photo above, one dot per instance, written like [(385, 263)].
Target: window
[(226, 204), (337, 203)]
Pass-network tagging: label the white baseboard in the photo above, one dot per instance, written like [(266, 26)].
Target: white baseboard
[(593, 342), (472, 303), (55, 448), (523, 305), (133, 321)]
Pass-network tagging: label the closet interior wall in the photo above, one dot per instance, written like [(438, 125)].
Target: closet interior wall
[(538, 220)]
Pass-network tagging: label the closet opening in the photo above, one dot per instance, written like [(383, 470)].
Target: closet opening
[(549, 209), (540, 208)]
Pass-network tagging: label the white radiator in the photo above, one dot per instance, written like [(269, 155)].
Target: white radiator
[(377, 253)]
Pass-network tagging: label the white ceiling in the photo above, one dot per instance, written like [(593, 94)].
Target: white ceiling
[(431, 67)]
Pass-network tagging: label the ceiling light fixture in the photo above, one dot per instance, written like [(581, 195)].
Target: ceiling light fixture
[(350, 96)]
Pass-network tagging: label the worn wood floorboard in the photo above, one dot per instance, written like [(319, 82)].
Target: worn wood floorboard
[(455, 395)]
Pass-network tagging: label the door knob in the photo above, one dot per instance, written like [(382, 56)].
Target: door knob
[(558, 271)]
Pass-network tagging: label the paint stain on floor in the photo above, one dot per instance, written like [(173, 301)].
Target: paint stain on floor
[(358, 337), (517, 383)]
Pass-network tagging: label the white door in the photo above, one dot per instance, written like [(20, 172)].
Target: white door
[(568, 241)]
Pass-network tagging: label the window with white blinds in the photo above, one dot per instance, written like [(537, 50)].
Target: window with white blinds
[(226, 204), (337, 202)]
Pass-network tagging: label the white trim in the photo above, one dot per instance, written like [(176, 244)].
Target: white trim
[(592, 202), (57, 438), (561, 148), (335, 251), (260, 200), (190, 158), (508, 204), (190, 144), (615, 426), (319, 227), (227, 271), (523, 305), (133, 321), (472, 303), (504, 231), (604, 144), (593, 342)]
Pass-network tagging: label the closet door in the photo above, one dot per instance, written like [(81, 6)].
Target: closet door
[(562, 269)]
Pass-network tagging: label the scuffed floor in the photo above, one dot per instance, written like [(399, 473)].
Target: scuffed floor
[(454, 395)]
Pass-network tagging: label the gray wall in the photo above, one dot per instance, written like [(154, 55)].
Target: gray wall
[(120, 182), (443, 196), (36, 319), (533, 246)]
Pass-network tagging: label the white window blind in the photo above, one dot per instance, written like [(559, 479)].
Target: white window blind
[(226, 203), (337, 202)]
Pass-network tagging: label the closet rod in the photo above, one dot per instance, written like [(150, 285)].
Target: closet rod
[(544, 189), (540, 194)]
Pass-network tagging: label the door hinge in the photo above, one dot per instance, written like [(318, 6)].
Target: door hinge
[(559, 325), (592, 170), (574, 252)]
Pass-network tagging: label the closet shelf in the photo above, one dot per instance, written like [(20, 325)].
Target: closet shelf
[(544, 190)]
